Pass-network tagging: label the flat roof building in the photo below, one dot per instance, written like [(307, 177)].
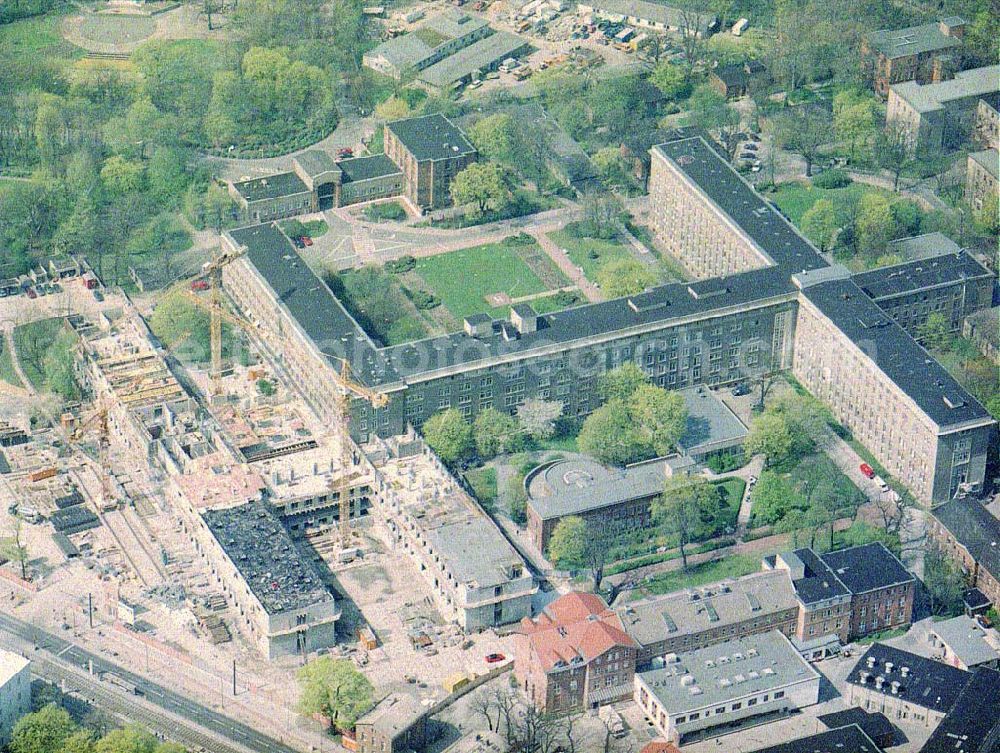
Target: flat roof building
[(712, 614), (479, 57), (430, 150), (15, 691), (726, 685), (913, 53), (904, 685), (877, 726), (710, 427), (439, 37), (964, 643)]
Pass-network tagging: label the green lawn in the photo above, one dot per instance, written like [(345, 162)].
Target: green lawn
[(7, 373), (316, 228), (795, 199), (733, 489), (463, 278), (589, 253), (484, 485), (31, 341), (733, 566), (37, 39)]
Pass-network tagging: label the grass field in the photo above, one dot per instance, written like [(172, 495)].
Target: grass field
[(7, 373), (795, 199), (732, 566), (589, 253), (463, 279), (38, 39), (733, 489)]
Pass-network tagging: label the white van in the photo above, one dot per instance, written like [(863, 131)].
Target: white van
[(880, 482)]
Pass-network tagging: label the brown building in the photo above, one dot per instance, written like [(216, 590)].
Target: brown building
[(397, 724), (986, 130), (845, 595), (916, 53), (575, 655), (719, 612), (430, 150), (969, 534), (981, 179), (733, 81)]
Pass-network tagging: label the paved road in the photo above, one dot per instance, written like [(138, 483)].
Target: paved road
[(53, 647)]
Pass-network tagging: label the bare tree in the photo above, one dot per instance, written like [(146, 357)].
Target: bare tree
[(892, 151), (692, 21), (484, 705)]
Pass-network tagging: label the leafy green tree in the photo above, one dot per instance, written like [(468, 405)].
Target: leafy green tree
[(992, 405), (773, 498), (266, 387), (43, 731), (935, 332), (81, 741), (854, 118), (176, 318), (680, 508), (610, 435), (494, 432), (219, 206), (893, 152), (166, 174), (141, 125), (624, 276), (449, 435), (334, 688), (661, 416), (804, 130), (982, 38), (622, 382), (613, 168), (131, 739), (537, 418), (905, 217), (770, 435), (121, 177), (874, 226), (500, 138), (394, 108), (819, 223), (58, 364), (671, 80), (987, 219), (482, 186), (711, 112), (944, 582), (568, 543)]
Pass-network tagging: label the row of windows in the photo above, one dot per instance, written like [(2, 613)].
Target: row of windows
[(738, 705)]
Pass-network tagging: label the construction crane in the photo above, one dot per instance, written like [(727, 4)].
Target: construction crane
[(348, 389)]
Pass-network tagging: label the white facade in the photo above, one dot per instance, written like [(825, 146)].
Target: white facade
[(15, 692)]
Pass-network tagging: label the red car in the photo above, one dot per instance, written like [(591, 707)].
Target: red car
[(495, 658), (31, 293), (345, 153), (867, 470), (199, 285), (306, 240)]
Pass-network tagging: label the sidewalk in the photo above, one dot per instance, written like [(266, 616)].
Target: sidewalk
[(561, 259)]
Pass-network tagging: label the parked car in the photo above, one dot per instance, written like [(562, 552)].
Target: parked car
[(495, 658), (30, 292), (867, 470), (755, 167), (306, 240), (740, 389), (56, 287), (750, 146), (748, 156), (345, 152), (98, 296), (880, 482), (751, 481), (199, 285), (298, 242)]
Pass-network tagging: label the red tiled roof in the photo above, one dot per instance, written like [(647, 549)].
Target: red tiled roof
[(660, 747), (575, 627)]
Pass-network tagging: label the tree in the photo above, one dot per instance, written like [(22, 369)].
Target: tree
[(494, 432), (679, 509), (622, 382), (624, 276), (613, 168), (166, 175), (610, 435), (854, 118), (893, 152), (219, 206), (935, 332), (661, 416), (803, 130), (141, 125), (483, 186), (873, 225), (449, 435), (176, 319), (670, 79), (81, 741), (601, 210), (43, 731), (500, 138), (334, 688), (14, 547), (773, 498), (129, 739), (819, 223), (770, 435), (266, 387), (120, 176), (394, 108), (944, 582), (711, 111), (568, 543), (538, 417)]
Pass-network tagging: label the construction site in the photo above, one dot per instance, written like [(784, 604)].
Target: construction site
[(188, 524)]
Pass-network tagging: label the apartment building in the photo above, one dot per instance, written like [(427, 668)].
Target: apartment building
[(962, 642), (970, 535), (954, 285), (850, 355), (916, 53), (942, 114), (720, 686), (986, 131), (981, 175), (273, 197), (574, 655), (699, 617), (476, 576), (284, 609), (15, 691), (904, 686), (845, 594), (430, 151)]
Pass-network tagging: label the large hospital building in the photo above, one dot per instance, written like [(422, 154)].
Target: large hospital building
[(764, 300)]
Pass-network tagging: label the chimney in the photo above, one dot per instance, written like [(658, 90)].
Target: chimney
[(953, 26), (895, 687), (524, 318), (879, 682), (871, 662), (904, 671), (888, 667)]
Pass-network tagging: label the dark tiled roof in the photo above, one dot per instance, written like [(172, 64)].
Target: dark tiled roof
[(875, 726), (772, 233), (850, 739), (315, 162), (271, 187), (897, 354), (973, 723), (910, 277), (820, 582), (431, 137), (865, 568), (975, 528), (366, 168), (929, 684)]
